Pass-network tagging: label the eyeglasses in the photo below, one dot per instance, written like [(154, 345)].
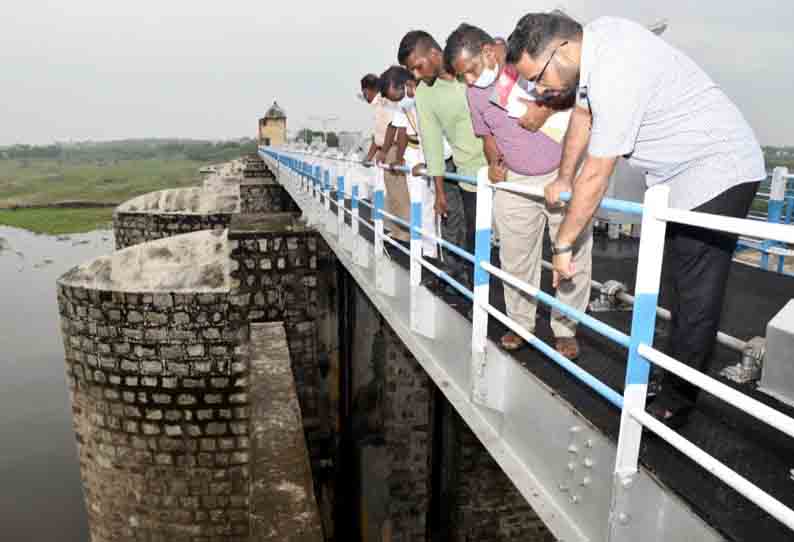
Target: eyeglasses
[(539, 78), (584, 93)]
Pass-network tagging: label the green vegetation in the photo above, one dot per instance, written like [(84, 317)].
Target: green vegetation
[(58, 221), (111, 172), (46, 181)]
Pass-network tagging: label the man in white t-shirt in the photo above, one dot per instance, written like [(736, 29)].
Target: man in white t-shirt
[(398, 85), (636, 96)]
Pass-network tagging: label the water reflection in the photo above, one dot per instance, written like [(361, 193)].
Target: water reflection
[(40, 492)]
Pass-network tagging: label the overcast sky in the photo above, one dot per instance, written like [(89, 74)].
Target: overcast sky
[(109, 69)]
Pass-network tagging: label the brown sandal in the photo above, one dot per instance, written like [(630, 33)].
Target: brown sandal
[(511, 342), (568, 347)]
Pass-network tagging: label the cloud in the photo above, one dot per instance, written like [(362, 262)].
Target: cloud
[(206, 69)]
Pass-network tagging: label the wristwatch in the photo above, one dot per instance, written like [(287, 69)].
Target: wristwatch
[(557, 249)]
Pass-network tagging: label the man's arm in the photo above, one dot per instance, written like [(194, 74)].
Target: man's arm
[(402, 144), (388, 140), (497, 172), (536, 115), (372, 150), (588, 190), (577, 137), (490, 149)]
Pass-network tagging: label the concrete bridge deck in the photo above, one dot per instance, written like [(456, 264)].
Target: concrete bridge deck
[(556, 438)]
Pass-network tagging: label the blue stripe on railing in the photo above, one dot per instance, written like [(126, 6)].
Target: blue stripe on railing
[(416, 221), (577, 372), (456, 250), (482, 276), (379, 201), (596, 325), (642, 328), (482, 244)]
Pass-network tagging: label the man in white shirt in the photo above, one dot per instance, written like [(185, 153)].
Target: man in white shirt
[(640, 98), (383, 150), (399, 86)]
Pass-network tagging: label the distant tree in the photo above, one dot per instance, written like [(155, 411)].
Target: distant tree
[(305, 135), (331, 139)]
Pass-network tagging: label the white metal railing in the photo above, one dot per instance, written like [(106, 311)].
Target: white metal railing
[(655, 212)]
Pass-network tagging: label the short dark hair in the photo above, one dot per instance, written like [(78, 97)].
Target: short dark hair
[(369, 82), (394, 77), (413, 40), (465, 38), (535, 31)]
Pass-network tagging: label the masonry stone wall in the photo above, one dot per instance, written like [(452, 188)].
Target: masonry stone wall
[(407, 436), (166, 213), (265, 195), (283, 272), (133, 228), (488, 507), (407, 451), (158, 384)]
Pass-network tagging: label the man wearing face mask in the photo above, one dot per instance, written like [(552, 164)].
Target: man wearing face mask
[(444, 112), (530, 158), (640, 98), (383, 150), (399, 86)]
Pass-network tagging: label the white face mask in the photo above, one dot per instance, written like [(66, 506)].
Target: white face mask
[(407, 103), (487, 77)]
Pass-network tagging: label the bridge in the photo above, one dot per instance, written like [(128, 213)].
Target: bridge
[(257, 362), (573, 439)]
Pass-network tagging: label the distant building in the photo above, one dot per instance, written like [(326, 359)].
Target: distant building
[(273, 127)]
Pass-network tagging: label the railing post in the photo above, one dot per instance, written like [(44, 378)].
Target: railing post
[(423, 306), (487, 382), (340, 207), (384, 273), (777, 199), (360, 245), (643, 325), (316, 183)]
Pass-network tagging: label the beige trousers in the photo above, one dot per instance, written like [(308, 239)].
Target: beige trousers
[(398, 200), (521, 222)]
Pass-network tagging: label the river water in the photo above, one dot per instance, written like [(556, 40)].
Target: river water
[(40, 491)]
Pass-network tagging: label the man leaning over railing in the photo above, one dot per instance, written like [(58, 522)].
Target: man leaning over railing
[(399, 86), (383, 150), (531, 159), (638, 97), (444, 111)]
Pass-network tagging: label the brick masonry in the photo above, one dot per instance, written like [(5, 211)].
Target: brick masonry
[(132, 228), (265, 195), (282, 272), (395, 423), (407, 435), (158, 384), (487, 506)]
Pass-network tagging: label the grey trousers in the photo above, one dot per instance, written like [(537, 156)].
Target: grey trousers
[(453, 230)]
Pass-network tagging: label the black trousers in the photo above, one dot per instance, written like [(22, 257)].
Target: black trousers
[(696, 264), (470, 212)]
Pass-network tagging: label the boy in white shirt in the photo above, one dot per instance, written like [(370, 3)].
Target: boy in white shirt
[(398, 85)]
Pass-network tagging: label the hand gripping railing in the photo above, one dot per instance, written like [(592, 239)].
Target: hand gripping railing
[(656, 213)]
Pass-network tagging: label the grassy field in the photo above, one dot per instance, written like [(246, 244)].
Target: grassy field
[(58, 221), (43, 181)]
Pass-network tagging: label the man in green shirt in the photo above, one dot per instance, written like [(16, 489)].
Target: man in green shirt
[(444, 113)]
